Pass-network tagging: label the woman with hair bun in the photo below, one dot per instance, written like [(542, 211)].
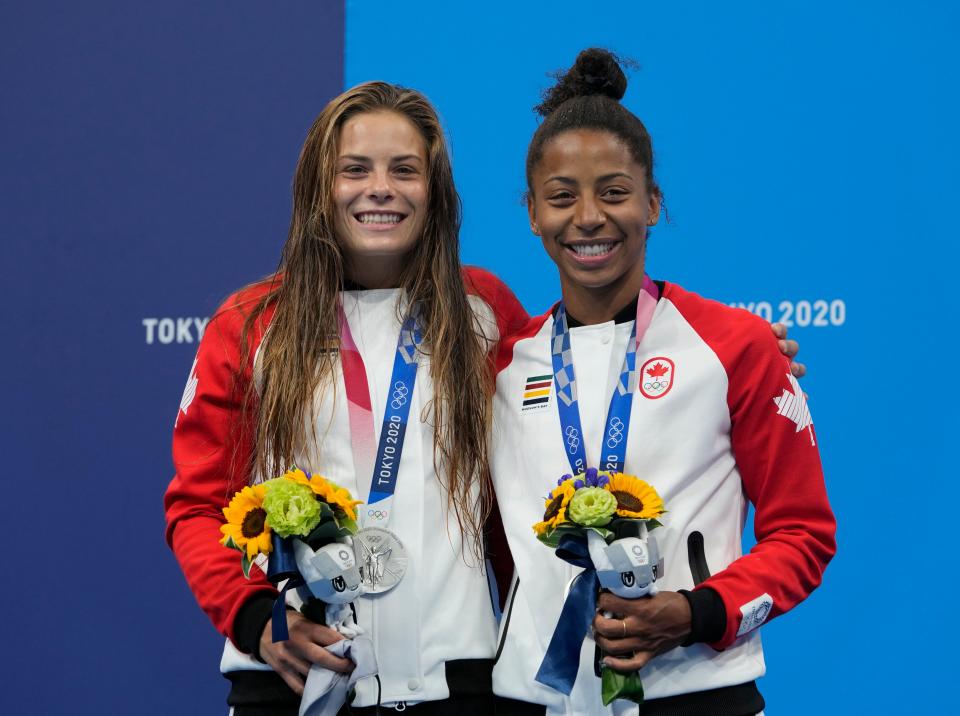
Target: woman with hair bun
[(724, 422)]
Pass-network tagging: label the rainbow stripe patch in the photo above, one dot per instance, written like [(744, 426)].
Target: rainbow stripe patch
[(536, 391)]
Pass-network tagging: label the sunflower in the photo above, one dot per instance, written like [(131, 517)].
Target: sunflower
[(330, 492), (556, 507), (247, 526), (635, 498)]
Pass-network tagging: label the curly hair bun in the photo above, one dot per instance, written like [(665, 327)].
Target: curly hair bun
[(595, 72)]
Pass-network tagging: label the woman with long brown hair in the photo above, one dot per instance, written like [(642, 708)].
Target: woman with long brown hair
[(284, 369)]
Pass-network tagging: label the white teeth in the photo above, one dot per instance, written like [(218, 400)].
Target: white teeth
[(370, 218), (591, 249)]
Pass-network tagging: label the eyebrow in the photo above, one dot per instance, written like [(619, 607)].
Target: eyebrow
[(605, 177), (361, 158)]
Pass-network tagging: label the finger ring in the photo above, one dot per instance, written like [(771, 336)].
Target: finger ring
[(624, 622)]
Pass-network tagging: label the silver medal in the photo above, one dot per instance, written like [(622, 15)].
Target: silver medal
[(381, 557)]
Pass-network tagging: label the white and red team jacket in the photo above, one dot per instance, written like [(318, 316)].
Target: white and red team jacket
[(440, 611), (717, 421)]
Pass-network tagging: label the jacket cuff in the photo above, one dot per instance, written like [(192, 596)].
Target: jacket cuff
[(708, 616), (250, 622)]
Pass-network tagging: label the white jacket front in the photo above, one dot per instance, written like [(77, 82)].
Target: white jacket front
[(710, 441)]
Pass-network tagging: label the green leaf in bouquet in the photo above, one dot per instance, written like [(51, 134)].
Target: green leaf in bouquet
[(324, 533), (602, 531), (326, 511), (245, 563), (230, 544), (622, 527), (347, 526), (549, 538), (614, 685), (553, 537)]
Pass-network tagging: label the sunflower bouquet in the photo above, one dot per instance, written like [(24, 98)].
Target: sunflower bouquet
[(600, 521), (301, 525), (309, 507), (600, 501)]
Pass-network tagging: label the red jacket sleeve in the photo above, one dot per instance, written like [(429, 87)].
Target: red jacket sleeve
[(509, 312), (775, 448), (211, 454), (511, 317)]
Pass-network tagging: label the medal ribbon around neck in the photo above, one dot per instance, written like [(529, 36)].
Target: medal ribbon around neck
[(613, 451), (385, 466)]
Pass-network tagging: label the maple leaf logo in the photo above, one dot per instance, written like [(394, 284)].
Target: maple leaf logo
[(189, 392), (657, 376), (793, 406), (658, 370)]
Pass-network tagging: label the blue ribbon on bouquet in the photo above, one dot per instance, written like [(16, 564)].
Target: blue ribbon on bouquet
[(560, 665), (282, 565)]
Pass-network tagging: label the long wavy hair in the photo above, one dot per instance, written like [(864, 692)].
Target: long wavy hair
[(297, 356)]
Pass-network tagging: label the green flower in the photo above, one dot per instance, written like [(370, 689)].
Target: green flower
[(292, 509), (590, 507)]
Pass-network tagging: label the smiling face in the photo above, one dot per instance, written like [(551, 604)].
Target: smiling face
[(380, 195), (591, 206)]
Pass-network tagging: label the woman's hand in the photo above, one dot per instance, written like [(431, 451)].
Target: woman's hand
[(789, 348), (640, 628), (293, 658)]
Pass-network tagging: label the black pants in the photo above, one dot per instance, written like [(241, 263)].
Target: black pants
[(461, 706), (470, 684)]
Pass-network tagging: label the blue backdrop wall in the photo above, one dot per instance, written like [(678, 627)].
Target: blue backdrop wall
[(147, 151), (808, 154)]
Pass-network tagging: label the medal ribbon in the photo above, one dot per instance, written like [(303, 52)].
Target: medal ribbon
[(282, 566), (613, 451), (385, 467), (560, 664)]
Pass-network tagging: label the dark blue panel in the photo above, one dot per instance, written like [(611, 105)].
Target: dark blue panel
[(147, 151)]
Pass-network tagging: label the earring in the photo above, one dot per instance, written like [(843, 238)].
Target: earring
[(535, 228)]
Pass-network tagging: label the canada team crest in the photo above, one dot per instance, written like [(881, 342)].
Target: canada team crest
[(657, 377)]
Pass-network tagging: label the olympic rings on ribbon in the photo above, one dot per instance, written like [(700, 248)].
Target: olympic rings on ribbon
[(400, 392), (615, 433), (378, 514)]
